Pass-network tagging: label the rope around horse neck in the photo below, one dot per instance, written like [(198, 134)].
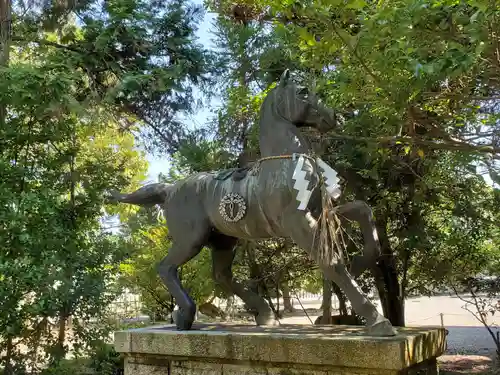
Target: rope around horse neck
[(290, 156)]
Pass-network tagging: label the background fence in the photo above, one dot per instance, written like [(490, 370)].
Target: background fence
[(129, 308)]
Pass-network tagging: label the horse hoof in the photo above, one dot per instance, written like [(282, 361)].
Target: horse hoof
[(382, 328), (183, 321)]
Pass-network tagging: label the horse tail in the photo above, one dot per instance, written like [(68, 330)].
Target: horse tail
[(148, 195)]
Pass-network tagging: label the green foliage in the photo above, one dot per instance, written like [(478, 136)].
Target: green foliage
[(69, 366), (72, 96), (199, 155), (57, 263), (147, 246), (251, 59), (103, 360), (106, 361), (140, 57), (416, 84)]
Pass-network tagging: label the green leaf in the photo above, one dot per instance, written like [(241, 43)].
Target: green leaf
[(356, 4)]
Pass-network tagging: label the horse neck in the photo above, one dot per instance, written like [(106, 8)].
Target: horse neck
[(278, 136)]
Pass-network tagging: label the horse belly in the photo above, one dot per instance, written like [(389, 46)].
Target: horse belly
[(264, 200)]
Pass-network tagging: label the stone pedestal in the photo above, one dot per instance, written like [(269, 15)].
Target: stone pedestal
[(230, 349)]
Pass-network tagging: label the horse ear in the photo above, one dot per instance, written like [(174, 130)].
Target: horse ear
[(284, 77)]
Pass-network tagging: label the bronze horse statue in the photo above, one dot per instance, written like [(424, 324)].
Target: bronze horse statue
[(281, 195)]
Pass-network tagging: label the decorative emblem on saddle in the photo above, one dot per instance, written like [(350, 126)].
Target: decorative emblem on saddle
[(329, 175), (232, 207)]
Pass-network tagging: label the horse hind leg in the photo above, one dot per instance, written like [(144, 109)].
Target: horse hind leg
[(360, 212), (222, 260), (183, 249)]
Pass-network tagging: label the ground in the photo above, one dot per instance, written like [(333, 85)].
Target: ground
[(470, 347), (466, 364), (466, 335)]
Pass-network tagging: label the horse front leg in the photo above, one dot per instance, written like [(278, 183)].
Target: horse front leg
[(301, 230), (361, 213), (376, 323)]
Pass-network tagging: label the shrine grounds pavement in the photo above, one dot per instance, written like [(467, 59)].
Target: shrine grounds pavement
[(466, 334)]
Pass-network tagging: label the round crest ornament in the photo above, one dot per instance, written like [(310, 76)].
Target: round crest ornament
[(232, 207)]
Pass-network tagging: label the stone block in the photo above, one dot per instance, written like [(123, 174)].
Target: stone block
[(230, 349)]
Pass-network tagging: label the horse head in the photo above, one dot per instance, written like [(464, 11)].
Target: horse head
[(298, 105)]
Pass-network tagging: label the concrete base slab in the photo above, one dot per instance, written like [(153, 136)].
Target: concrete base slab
[(227, 349)]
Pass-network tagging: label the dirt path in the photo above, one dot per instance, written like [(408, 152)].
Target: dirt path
[(470, 347), (466, 334)]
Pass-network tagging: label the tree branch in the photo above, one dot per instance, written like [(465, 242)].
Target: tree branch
[(391, 141), (478, 314), (51, 44)]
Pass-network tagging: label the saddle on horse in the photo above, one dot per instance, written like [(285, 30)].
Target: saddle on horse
[(237, 174)]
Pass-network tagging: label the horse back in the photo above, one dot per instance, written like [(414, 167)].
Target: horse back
[(249, 202)]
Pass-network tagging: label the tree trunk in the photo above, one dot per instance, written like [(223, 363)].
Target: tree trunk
[(60, 351), (8, 368), (254, 270), (342, 299), (5, 36), (66, 308), (5, 24), (61, 336), (229, 309), (326, 305), (390, 296), (385, 274), (287, 300)]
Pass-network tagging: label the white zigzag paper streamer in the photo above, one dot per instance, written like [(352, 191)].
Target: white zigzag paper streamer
[(331, 179), (301, 184)]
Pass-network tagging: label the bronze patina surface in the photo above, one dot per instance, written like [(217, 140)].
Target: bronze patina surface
[(280, 196)]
